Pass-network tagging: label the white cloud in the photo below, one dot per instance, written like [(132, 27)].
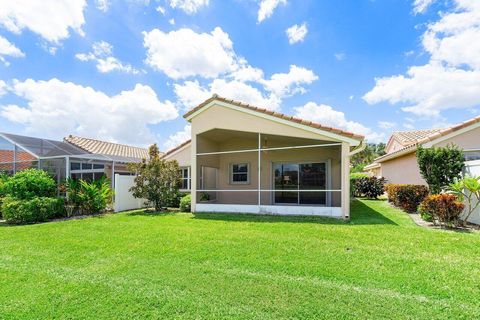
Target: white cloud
[(102, 54), (267, 7), (386, 125), (451, 79), (9, 49), (161, 10), (171, 21), (178, 138), (326, 115), (184, 53), (296, 33), (51, 19), (191, 93), (189, 6), (56, 108), (340, 56), (3, 88), (420, 6), (287, 84), (102, 5)]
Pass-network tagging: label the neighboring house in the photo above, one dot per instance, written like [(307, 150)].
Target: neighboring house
[(399, 164), (249, 160), (74, 157)]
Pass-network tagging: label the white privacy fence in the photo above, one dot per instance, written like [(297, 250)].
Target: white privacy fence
[(473, 168), (124, 199)]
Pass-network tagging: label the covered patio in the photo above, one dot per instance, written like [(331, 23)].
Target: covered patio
[(250, 160)]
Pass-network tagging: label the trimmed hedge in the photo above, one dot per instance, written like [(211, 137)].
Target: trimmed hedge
[(186, 203), (444, 208), (39, 209), (406, 196)]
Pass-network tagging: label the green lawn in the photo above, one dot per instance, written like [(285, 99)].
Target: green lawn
[(137, 265)]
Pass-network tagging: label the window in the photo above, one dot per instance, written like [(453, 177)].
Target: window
[(185, 178), (471, 155), (239, 173), (74, 166)]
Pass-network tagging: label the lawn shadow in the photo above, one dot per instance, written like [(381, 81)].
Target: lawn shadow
[(361, 214)]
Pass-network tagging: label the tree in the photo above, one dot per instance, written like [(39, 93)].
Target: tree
[(440, 166), (156, 180), (370, 153)]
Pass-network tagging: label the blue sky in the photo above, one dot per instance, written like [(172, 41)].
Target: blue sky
[(127, 71)]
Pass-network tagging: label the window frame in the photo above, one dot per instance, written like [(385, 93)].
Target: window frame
[(188, 178), (231, 173)]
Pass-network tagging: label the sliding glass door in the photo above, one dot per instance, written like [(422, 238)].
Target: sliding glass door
[(293, 180)]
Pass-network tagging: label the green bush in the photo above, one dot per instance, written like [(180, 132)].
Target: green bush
[(370, 187), (3, 179), (39, 209), (406, 196), (174, 200), (95, 196), (186, 203), (444, 208), (354, 176), (29, 184), (440, 166)]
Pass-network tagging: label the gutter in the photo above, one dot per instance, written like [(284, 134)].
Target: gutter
[(358, 149)]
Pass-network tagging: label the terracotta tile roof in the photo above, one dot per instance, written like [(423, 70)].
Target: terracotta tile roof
[(169, 152), (7, 156), (277, 115), (438, 133), (107, 148), (409, 137)]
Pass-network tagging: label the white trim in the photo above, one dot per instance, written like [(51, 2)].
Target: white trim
[(269, 149), (333, 212), (325, 133), (451, 135), (269, 190)]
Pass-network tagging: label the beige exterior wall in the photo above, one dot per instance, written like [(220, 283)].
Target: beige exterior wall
[(466, 140), (183, 156), (402, 170), (219, 117)]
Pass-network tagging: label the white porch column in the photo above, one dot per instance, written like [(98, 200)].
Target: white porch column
[(345, 180), (193, 170), (259, 168)]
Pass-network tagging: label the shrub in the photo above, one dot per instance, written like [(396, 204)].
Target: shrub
[(18, 211), (440, 166), (370, 187), (95, 196), (467, 189), (406, 196), (354, 176), (3, 179), (186, 203), (29, 184), (444, 208), (174, 201)]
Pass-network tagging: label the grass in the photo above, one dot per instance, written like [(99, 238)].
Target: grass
[(211, 266)]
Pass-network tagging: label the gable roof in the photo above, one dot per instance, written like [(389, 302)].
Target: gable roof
[(432, 138), (107, 148), (177, 148), (408, 137), (277, 115)]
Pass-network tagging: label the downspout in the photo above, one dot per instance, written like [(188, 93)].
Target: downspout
[(358, 149)]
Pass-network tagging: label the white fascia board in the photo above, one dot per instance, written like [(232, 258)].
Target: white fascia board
[(451, 135), (352, 142)]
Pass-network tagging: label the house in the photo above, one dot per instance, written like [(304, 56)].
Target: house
[(399, 164), (245, 159), (75, 157)]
